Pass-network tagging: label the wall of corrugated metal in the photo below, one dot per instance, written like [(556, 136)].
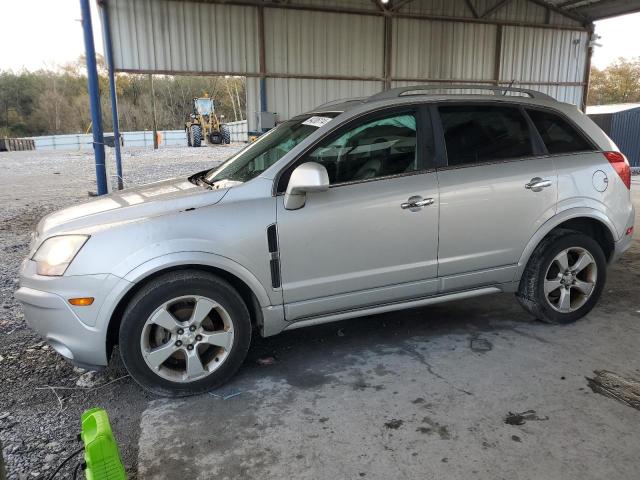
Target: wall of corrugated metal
[(169, 36), (318, 43), (172, 36), (536, 55), (448, 50), (290, 96)]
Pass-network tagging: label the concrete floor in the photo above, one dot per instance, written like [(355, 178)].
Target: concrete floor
[(419, 394)]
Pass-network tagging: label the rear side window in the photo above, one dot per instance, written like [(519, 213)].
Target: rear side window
[(484, 133), (557, 134)]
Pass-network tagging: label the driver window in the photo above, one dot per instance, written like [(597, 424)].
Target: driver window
[(377, 148)]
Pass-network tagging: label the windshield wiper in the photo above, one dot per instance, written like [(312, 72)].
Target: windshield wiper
[(200, 180)]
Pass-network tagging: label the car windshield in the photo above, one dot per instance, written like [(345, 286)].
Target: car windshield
[(268, 149)]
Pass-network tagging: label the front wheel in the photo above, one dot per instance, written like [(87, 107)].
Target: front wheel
[(196, 135), (184, 333), (564, 277)]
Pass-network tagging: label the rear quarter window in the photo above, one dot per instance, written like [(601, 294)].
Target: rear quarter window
[(558, 135)]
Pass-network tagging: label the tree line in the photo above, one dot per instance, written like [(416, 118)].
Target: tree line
[(618, 83), (49, 102)]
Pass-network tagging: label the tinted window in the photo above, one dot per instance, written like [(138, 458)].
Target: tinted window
[(479, 133), (376, 148), (557, 134)]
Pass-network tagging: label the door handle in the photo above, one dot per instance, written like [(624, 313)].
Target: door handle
[(537, 184), (416, 203)]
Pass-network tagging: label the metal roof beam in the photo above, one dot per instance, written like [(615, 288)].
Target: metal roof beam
[(395, 14), (495, 8), (572, 3), (573, 16), (473, 10), (397, 6)]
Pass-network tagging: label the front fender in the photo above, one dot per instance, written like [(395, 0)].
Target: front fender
[(561, 217), (175, 259)]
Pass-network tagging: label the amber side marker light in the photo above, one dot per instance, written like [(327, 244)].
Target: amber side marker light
[(81, 302)]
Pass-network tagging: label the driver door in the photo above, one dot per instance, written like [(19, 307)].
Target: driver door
[(361, 243)]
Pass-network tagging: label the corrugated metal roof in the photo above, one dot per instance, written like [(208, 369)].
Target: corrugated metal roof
[(611, 108)]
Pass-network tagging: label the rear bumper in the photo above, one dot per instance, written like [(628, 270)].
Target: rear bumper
[(79, 334), (624, 243)]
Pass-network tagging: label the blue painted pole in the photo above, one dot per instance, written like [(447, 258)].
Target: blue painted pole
[(94, 98), (108, 50)]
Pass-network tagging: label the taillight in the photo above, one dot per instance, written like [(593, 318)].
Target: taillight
[(621, 165)]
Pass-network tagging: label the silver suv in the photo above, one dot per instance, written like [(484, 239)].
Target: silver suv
[(410, 197)]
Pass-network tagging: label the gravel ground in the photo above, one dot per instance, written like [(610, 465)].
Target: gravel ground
[(42, 396)]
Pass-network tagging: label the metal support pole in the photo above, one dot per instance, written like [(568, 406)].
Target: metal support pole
[(497, 58), (94, 98), (262, 57), (388, 39), (108, 50), (586, 77), (155, 119)]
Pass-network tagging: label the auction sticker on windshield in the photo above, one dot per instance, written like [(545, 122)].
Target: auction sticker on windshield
[(317, 121)]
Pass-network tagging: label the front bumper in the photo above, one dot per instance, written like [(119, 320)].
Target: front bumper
[(76, 333)]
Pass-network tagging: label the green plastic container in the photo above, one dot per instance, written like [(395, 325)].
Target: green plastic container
[(100, 449)]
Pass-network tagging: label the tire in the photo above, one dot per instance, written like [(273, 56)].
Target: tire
[(196, 135), (226, 134), (172, 360), (554, 297), (188, 132)]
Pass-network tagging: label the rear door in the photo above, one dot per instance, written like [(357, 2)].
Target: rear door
[(497, 189)]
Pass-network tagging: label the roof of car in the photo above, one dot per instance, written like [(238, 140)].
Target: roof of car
[(439, 92)]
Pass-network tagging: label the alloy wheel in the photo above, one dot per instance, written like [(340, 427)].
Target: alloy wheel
[(187, 338), (570, 279)]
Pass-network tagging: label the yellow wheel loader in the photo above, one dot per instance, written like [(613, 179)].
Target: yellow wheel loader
[(204, 126)]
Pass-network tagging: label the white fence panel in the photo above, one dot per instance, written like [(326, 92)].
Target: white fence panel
[(238, 130)]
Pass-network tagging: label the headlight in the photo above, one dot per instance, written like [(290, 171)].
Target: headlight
[(56, 253)]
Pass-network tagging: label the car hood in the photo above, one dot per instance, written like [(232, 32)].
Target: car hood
[(131, 204)]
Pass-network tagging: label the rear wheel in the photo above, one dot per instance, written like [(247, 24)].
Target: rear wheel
[(196, 135), (184, 333), (564, 277)]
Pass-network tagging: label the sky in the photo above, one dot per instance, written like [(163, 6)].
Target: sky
[(45, 33)]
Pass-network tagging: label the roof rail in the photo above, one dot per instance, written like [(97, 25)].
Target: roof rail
[(339, 101), (403, 91)]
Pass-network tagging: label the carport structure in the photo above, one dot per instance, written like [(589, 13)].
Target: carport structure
[(297, 54)]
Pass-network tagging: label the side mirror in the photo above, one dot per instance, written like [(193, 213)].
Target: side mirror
[(308, 177)]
